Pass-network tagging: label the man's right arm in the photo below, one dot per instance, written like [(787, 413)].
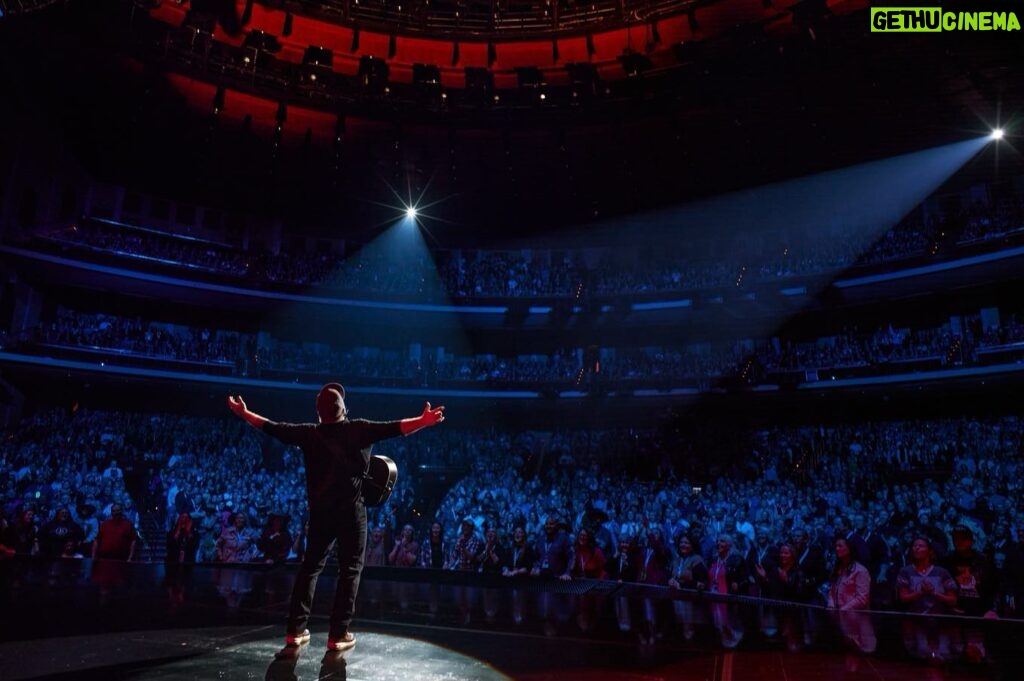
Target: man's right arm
[(431, 416), (237, 405)]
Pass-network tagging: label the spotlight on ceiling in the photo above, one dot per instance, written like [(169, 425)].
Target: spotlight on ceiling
[(997, 134), (410, 212)]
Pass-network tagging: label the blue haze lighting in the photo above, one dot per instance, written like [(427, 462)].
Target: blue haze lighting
[(852, 207)]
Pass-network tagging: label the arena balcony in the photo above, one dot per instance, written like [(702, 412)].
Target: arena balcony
[(558, 52)]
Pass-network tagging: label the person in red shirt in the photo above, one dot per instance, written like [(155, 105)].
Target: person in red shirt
[(116, 538), (588, 559), (587, 563)]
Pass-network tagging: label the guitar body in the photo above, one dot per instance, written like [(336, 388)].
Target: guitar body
[(379, 480)]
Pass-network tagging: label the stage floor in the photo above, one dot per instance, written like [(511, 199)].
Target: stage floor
[(80, 621)]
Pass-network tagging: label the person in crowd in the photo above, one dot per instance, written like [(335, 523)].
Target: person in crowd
[(552, 551), (873, 529), (849, 592), (182, 541), (622, 568), (553, 556), (999, 541), (675, 525), (491, 555), (58, 532), (113, 472), (182, 548), (743, 528), (467, 546), (375, 551), (336, 455), (463, 558), (653, 568), (762, 559), (489, 560), (86, 519), (977, 593), (588, 559), (275, 542), (926, 589), (519, 558), (691, 573), (406, 550), (809, 557), (587, 562), (787, 583), (727, 575), (434, 551), (938, 540), (116, 538), (22, 536), (377, 556), (846, 527), (237, 542)]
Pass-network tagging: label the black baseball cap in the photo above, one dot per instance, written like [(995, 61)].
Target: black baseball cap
[(329, 405)]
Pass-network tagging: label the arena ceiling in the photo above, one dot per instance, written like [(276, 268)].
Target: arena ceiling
[(664, 102)]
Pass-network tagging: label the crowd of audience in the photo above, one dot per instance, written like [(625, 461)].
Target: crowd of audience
[(60, 478), (699, 366), (983, 221), (138, 337), (852, 349), (923, 516), (852, 516), (104, 236), (465, 275)]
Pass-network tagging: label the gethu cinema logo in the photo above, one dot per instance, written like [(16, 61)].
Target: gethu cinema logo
[(934, 20)]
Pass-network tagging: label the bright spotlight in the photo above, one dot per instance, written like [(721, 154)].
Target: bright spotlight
[(410, 212), (997, 134)]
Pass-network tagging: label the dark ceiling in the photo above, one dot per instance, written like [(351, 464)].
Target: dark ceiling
[(741, 110)]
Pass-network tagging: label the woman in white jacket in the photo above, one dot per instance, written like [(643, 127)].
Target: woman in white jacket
[(849, 594)]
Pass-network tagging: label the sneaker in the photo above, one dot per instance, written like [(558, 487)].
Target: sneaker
[(344, 643), (297, 639)]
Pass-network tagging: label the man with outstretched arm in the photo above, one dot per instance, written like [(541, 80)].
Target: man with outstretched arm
[(336, 452)]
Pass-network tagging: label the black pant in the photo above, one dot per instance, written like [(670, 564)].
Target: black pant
[(345, 528)]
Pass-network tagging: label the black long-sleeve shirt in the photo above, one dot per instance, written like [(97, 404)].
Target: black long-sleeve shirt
[(336, 455)]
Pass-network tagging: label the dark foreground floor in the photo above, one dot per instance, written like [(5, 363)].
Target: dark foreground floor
[(80, 621)]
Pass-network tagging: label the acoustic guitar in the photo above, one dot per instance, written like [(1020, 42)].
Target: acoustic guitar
[(378, 480)]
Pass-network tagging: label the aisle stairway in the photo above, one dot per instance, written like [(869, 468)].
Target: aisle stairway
[(154, 537)]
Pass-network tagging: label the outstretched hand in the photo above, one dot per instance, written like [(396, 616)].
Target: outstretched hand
[(236, 404), (432, 415)]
